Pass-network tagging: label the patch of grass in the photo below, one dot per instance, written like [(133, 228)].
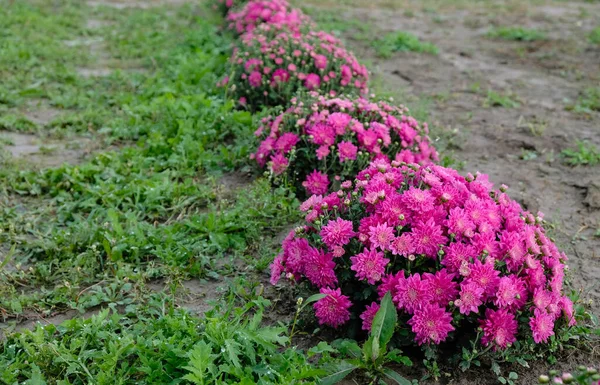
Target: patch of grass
[(588, 101), (586, 154), (401, 41), (516, 34), (495, 99), (337, 24), (594, 36)]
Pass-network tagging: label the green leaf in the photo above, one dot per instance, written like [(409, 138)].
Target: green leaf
[(201, 361), (513, 376), (389, 373), (383, 327), (337, 372), (311, 299)]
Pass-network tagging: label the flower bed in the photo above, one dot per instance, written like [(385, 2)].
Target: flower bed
[(270, 66), (276, 13), (320, 139), (455, 254)]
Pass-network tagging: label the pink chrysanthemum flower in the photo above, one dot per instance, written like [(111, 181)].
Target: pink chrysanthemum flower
[(431, 323), (511, 292), (316, 183), (413, 293), (402, 245), (499, 328), (419, 200), (427, 238), (368, 315), (346, 151), (566, 306), (276, 269), (389, 283), (470, 299), (339, 121), (369, 265), (443, 287), (286, 142), (381, 236), (485, 276), (337, 233), (542, 326), (456, 254), (279, 164), (333, 309), (312, 81), (319, 268)]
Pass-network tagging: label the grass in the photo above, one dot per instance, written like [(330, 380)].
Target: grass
[(495, 99), (594, 36), (401, 41), (586, 154), (588, 101), (516, 34)]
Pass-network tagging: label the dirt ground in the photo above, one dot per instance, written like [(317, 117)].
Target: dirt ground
[(518, 146)]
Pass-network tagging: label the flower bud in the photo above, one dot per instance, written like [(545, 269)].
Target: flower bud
[(299, 301), (567, 378), (543, 379), (347, 202)]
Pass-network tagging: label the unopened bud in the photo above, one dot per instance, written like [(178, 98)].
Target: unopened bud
[(543, 379)]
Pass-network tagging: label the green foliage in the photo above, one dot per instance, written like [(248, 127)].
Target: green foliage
[(401, 41), (587, 102), (495, 99), (586, 154), (516, 34), (374, 357), (594, 36), (157, 344)]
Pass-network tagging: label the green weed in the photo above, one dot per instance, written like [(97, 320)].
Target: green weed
[(588, 101), (586, 154), (594, 36), (401, 41), (495, 99), (516, 34)]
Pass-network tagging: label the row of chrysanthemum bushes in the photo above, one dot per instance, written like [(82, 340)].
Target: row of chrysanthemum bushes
[(465, 266)]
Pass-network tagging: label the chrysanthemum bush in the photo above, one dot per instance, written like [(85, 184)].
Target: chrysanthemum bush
[(321, 141), (271, 65), (459, 258), (277, 13)]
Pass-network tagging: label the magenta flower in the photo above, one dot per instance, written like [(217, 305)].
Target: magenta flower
[(276, 269), (402, 245), (316, 183), (431, 323), (381, 236), (347, 151), (337, 233), (413, 293), (427, 238), (368, 315), (255, 79), (319, 268), (542, 326), (333, 309), (339, 121), (286, 142), (443, 286), (280, 76), (312, 81), (499, 328), (471, 297), (279, 164), (369, 265)]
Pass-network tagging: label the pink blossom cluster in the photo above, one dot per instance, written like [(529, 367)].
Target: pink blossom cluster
[(320, 139), (271, 65), (276, 13), (451, 250)]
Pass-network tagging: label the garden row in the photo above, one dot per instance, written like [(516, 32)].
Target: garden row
[(464, 265)]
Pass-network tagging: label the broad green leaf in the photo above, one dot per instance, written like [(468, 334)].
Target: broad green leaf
[(383, 326), (311, 299), (389, 373), (337, 373)]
